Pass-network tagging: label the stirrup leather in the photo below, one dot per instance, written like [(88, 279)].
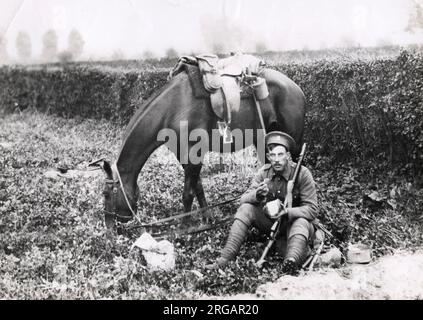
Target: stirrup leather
[(225, 131)]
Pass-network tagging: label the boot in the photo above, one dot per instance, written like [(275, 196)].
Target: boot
[(236, 237), (295, 253)]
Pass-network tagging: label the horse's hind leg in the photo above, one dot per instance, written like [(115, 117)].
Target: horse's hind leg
[(199, 193), (193, 186)]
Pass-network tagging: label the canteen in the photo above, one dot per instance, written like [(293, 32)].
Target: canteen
[(260, 89)]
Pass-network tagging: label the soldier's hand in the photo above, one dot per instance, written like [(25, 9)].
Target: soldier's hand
[(284, 210), (262, 190)]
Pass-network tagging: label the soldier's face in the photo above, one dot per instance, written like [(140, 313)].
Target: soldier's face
[(278, 158)]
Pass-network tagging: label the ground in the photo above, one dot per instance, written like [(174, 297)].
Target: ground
[(395, 276), (54, 245)]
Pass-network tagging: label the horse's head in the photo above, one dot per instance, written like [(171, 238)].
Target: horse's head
[(119, 204)]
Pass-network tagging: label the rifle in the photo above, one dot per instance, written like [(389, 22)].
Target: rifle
[(288, 204)]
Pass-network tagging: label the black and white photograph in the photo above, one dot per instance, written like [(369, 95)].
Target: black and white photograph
[(222, 152)]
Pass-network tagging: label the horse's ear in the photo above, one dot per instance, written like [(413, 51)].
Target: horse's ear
[(107, 169), (105, 165)]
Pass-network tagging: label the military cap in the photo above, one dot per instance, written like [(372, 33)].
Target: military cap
[(281, 138)]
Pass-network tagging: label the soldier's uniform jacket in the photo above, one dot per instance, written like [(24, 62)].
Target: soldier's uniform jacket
[(304, 204)]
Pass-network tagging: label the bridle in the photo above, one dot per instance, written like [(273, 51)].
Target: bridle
[(113, 185)]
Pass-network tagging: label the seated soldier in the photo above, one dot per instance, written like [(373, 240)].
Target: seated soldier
[(296, 232)]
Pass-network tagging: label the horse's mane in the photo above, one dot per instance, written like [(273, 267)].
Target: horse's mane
[(139, 113)]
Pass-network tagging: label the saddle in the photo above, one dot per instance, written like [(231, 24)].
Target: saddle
[(225, 79)]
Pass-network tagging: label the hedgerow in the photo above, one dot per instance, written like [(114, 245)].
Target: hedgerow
[(363, 130), (77, 90), (365, 111), (361, 110)]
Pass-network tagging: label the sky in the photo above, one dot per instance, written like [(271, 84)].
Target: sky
[(135, 26)]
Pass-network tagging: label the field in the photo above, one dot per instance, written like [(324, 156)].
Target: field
[(54, 245)]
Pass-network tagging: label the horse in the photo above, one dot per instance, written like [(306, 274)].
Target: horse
[(167, 108)]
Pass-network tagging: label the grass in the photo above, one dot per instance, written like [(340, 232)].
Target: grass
[(53, 242)]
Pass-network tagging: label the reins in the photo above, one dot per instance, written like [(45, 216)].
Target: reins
[(114, 166), (180, 215), (174, 216), (114, 189)]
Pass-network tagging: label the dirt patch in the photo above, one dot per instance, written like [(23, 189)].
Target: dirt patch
[(398, 276)]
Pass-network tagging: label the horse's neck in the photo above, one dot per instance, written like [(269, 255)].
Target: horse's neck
[(141, 140)]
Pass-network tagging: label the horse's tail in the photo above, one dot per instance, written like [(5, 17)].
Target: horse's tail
[(289, 105)]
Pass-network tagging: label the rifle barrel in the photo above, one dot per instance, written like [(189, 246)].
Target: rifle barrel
[(300, 160)]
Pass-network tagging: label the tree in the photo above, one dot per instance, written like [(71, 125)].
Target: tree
[(65, 56), (348, 42), (384, 42), (75, 44), (213, 29), (261, 47), (171, 53), (415, 20), (225, 33), (147, 55), (118, 55), (24, 46), (49, 52), (4, 57)]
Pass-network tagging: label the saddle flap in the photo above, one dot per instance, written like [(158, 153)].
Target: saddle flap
[(228, 96), (212, 82), (232, 93), (207, 63), (217, 102)]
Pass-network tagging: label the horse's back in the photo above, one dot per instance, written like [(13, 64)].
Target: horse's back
[(285, 88), (289, 103)]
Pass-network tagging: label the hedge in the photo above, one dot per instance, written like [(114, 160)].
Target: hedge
[(95, 92), (362, 110), (365, 111)]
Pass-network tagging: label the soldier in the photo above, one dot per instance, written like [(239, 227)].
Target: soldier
[(296, 233)]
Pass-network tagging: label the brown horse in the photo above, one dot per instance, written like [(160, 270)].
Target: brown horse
[(284, 109)]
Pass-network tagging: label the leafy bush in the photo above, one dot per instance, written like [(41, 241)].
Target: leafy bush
[(363, 127), (74, 90), (358, 110), (365, 111)]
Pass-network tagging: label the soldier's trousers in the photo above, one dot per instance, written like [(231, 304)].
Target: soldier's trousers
[(253, 216)]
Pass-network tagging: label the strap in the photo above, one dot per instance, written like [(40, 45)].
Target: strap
[(114, 166), (259, 112), (185, 214)]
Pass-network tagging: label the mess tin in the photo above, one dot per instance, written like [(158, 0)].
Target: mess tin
[(273, 209), (359, 253)]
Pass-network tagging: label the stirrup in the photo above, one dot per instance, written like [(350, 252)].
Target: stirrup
[(225, 131)]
